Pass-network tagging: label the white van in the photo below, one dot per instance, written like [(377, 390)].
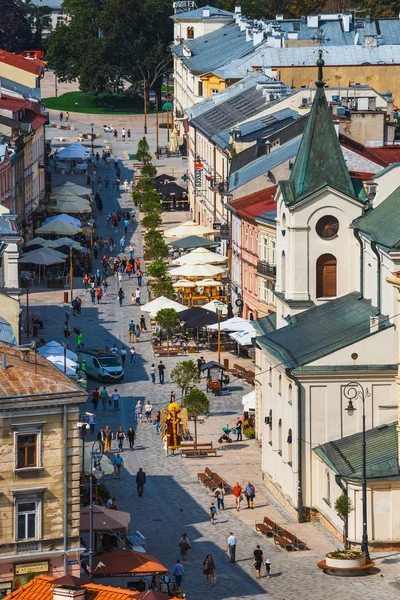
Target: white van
[(101, 365)]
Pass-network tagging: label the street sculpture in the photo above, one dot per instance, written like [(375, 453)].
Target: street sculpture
[(174, 422)]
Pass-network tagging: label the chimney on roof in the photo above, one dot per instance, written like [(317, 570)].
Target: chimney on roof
[(373, 324), (346, 22), (238, 10), (68, 593), (25, 352)]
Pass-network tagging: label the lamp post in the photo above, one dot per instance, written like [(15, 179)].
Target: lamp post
[(96, 472), (83, 427), (71, 274), (92, 126), (145, 105), (352, 391), (219, 307)]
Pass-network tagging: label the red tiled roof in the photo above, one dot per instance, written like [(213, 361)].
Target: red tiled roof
[(253, 205), (34, 118), (388, 154), (31, 66), (41, 588), (14, 104)]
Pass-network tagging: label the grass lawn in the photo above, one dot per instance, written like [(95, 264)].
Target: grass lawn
[(103, 104)]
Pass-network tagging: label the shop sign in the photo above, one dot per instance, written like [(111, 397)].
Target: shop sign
[(36, 567)]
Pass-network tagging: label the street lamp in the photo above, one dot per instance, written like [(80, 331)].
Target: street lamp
[(352, 391), (83, 427), (96, 472), (92, 125), (219, 308)]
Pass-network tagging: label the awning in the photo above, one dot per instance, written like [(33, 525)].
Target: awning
[(104, 519), (125, 563)]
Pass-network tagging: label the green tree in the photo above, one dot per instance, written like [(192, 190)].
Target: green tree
[(146, 184), (143, 151), (151, 208), (151, 221), (157, 269), (40, 19), (165, 288), (148, 170), (15, 30), (152, 236), (185, 375), (344, 507), (158, 249), (168, 320), (197, 404)]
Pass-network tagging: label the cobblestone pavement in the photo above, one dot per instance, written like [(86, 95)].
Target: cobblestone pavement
[(173, 501)]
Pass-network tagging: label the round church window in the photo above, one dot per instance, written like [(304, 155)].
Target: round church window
[(327, 227)]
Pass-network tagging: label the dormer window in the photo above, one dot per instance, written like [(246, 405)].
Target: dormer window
[(190, 33)]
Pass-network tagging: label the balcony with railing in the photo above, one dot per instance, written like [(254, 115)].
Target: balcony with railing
[(266, 268), (219, 185)]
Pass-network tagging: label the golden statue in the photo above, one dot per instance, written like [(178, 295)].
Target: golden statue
[(174, 421)]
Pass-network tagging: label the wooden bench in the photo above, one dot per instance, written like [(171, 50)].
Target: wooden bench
[(207, 475), (268, 527), (249, 377), (283, 542), (199, 452), (240, 370), (289, 541), (218, 481)]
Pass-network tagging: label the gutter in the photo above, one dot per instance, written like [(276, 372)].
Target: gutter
[(378, 275), (359, 240), (289, 373)]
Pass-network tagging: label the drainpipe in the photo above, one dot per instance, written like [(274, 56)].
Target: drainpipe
[(359, 240), (65, 461), (215, 180), (299, 452), (378, 275)]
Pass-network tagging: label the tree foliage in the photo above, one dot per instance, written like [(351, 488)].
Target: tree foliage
[(151, 221), (157, 250), (344, 507), (168, 320), (152, 236), (197, 404), (143, 151), (15, 26), (185, 375), (146, 184), (165, 288), (108, 41), (148, 170), (157, 269)]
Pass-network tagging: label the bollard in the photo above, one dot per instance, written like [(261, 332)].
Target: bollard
[(66, 298)]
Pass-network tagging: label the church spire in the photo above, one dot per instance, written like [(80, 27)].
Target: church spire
[(319, 161)]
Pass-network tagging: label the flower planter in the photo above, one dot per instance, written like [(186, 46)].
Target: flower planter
[(344, 563)]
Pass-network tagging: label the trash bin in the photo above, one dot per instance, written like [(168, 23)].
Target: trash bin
[(35, 330), (66, 298)]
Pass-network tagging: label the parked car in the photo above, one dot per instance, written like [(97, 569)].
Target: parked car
[(102, 366)]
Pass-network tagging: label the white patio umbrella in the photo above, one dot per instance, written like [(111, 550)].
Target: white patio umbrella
[(71, 189), (78, 205), (184, 283), (58, 361), (73, 152), (60, 228), (200, 256), (196, 271), (43, 256), (64, 241), (214, 305), (188, 228), (63, 217), (243, 338), (208, 283), (162, 302), (234, 324), (54, 348), (37, 241)]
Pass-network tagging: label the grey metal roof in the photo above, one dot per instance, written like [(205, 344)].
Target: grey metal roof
[(54, 4), (198, 14), (254, 129), (264, 164), (322, 330), (267, 218), (6, 333)]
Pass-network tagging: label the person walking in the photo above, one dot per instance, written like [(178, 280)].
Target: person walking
[(139, 276), (115, 398), (101, 438), (131, 250), (212, 511), (92, 422), (131, 438), (161, 371), (138, 412), (122, 353), (121, 296), (129, 135), (231, 547), (99, 294), (153, 373), (67, 330), (258, 560), (165, 445), (143, 327), (86, 281), (95, 398), (132, 353), (185, 546), (131, 331), (128, 270), (120, 437), (123, 134), (209, 569), (158, 421), (268, 567), (118, 464), (104, 286), (137, 297), (126, 221), (237, 492), (105, 398), (61, 116), (178, 572), (67, 117), (137, 333), (140, 481), (239, 429), (108, 435), (250, 494), (219, 494), (93, 295), (148, 410)]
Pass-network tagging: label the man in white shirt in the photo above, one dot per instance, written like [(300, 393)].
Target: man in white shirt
[(114, 350), (231, 547), (115, 397)]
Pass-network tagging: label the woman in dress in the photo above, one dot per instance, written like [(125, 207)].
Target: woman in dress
[(209, 569), (184, 545), (148, 408)]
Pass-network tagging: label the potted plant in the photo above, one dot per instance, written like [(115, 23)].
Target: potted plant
[(345, 559)]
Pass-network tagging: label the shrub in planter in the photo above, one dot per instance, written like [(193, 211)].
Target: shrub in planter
[(249, 433), (146, 184), (345, 559), (151, 221)]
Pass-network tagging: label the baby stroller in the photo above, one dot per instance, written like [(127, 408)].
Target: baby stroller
[(225, 436)]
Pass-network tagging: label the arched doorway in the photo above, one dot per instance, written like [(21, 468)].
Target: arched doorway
[(326, 276)]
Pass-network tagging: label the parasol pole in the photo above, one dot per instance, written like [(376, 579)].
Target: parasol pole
[(70, 273)]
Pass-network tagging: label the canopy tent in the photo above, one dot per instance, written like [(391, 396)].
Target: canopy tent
[(197, 271), (54, 348), (43, 256), (104, 519), (249, 401), (120, 563), (188, 228), (73, 152), (214, 305), (162, 178), (234, 324), (162, 302), (200, 256), (193, 241), (79, 205), (59, 362), (59, 227), (63, 217), (71, 189), (184, 283), (197, 316), (243, 338)]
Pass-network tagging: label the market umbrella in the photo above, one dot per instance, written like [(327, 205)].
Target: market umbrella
[(197, 316), (208, 283), (193, 241), (214, 305), (43, 256), (104, 519), (184, 283), (170, 189), (188, 228), (162, 302), (200, 256), (60, 228), (196, 271), (67, 218), (77, 206), (125, 562), (64, 241), (36, 241), (56, 349), (243, 338), (71, 189), (234, 324), (73, 151), (174, 141), (164, 178)]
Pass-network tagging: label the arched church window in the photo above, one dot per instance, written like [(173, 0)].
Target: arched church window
[(326, 276)]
